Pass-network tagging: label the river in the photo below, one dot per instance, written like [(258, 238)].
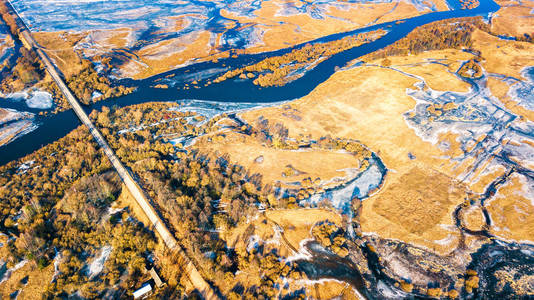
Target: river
[(53, 127), (490, 258)]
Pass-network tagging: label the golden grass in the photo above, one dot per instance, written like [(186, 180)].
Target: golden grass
[(295, 223), (500, 90), (483, 180), (169, 54), (37, 279), (59, 46), (437, 76), (315, 163), (514, 18), (331, 290), (416, 208), (419, 200), (361, 104), (474, 218), (501, 56), (511, 212), (118, 38)]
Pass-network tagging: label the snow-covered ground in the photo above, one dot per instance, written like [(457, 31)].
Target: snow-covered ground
[(523, 91), (7, 49), (8, 273), (78, 15), (97, 265), (164, 27), (33, 98), (210, 109), (360, 187), (485, 128), (14, 124)]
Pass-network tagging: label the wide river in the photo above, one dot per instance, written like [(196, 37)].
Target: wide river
[(53, 127)]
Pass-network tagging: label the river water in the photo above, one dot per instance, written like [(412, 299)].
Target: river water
[(490, 258), (53, 127)]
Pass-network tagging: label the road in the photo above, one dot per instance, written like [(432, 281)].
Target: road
[(194, 275)]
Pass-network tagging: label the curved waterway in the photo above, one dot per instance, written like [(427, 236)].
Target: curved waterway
[(56, 126), (491, 258)]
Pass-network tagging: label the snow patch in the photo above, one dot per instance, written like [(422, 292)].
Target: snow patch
[(303, 253), (98, 264), (10, 271)]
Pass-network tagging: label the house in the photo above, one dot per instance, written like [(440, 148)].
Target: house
[(143, 291)]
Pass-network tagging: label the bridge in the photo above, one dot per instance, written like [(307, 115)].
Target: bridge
[(140, 197)]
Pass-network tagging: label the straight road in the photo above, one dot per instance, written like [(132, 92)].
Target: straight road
[(194, 275)]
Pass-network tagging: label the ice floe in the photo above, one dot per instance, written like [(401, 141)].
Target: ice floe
[(34, 98), (40, 100)]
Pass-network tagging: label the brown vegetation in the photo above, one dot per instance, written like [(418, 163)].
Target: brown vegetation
[(514, 19), (27, 70), (470, 69), (79, 73), (469, 4), (198, 195), (59, 202), (447, 34), (279, 70), (331, 237)]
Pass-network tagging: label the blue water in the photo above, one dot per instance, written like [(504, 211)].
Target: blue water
[(56, 126)]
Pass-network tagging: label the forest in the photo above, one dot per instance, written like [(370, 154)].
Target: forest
[(55, 208), (447, 34), (58, 198)]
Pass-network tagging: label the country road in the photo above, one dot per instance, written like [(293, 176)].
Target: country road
[(195, 277)]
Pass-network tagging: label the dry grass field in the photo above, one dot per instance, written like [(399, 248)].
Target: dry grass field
[(515, 18)]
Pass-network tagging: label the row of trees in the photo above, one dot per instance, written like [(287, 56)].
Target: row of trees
[(447, 34)]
